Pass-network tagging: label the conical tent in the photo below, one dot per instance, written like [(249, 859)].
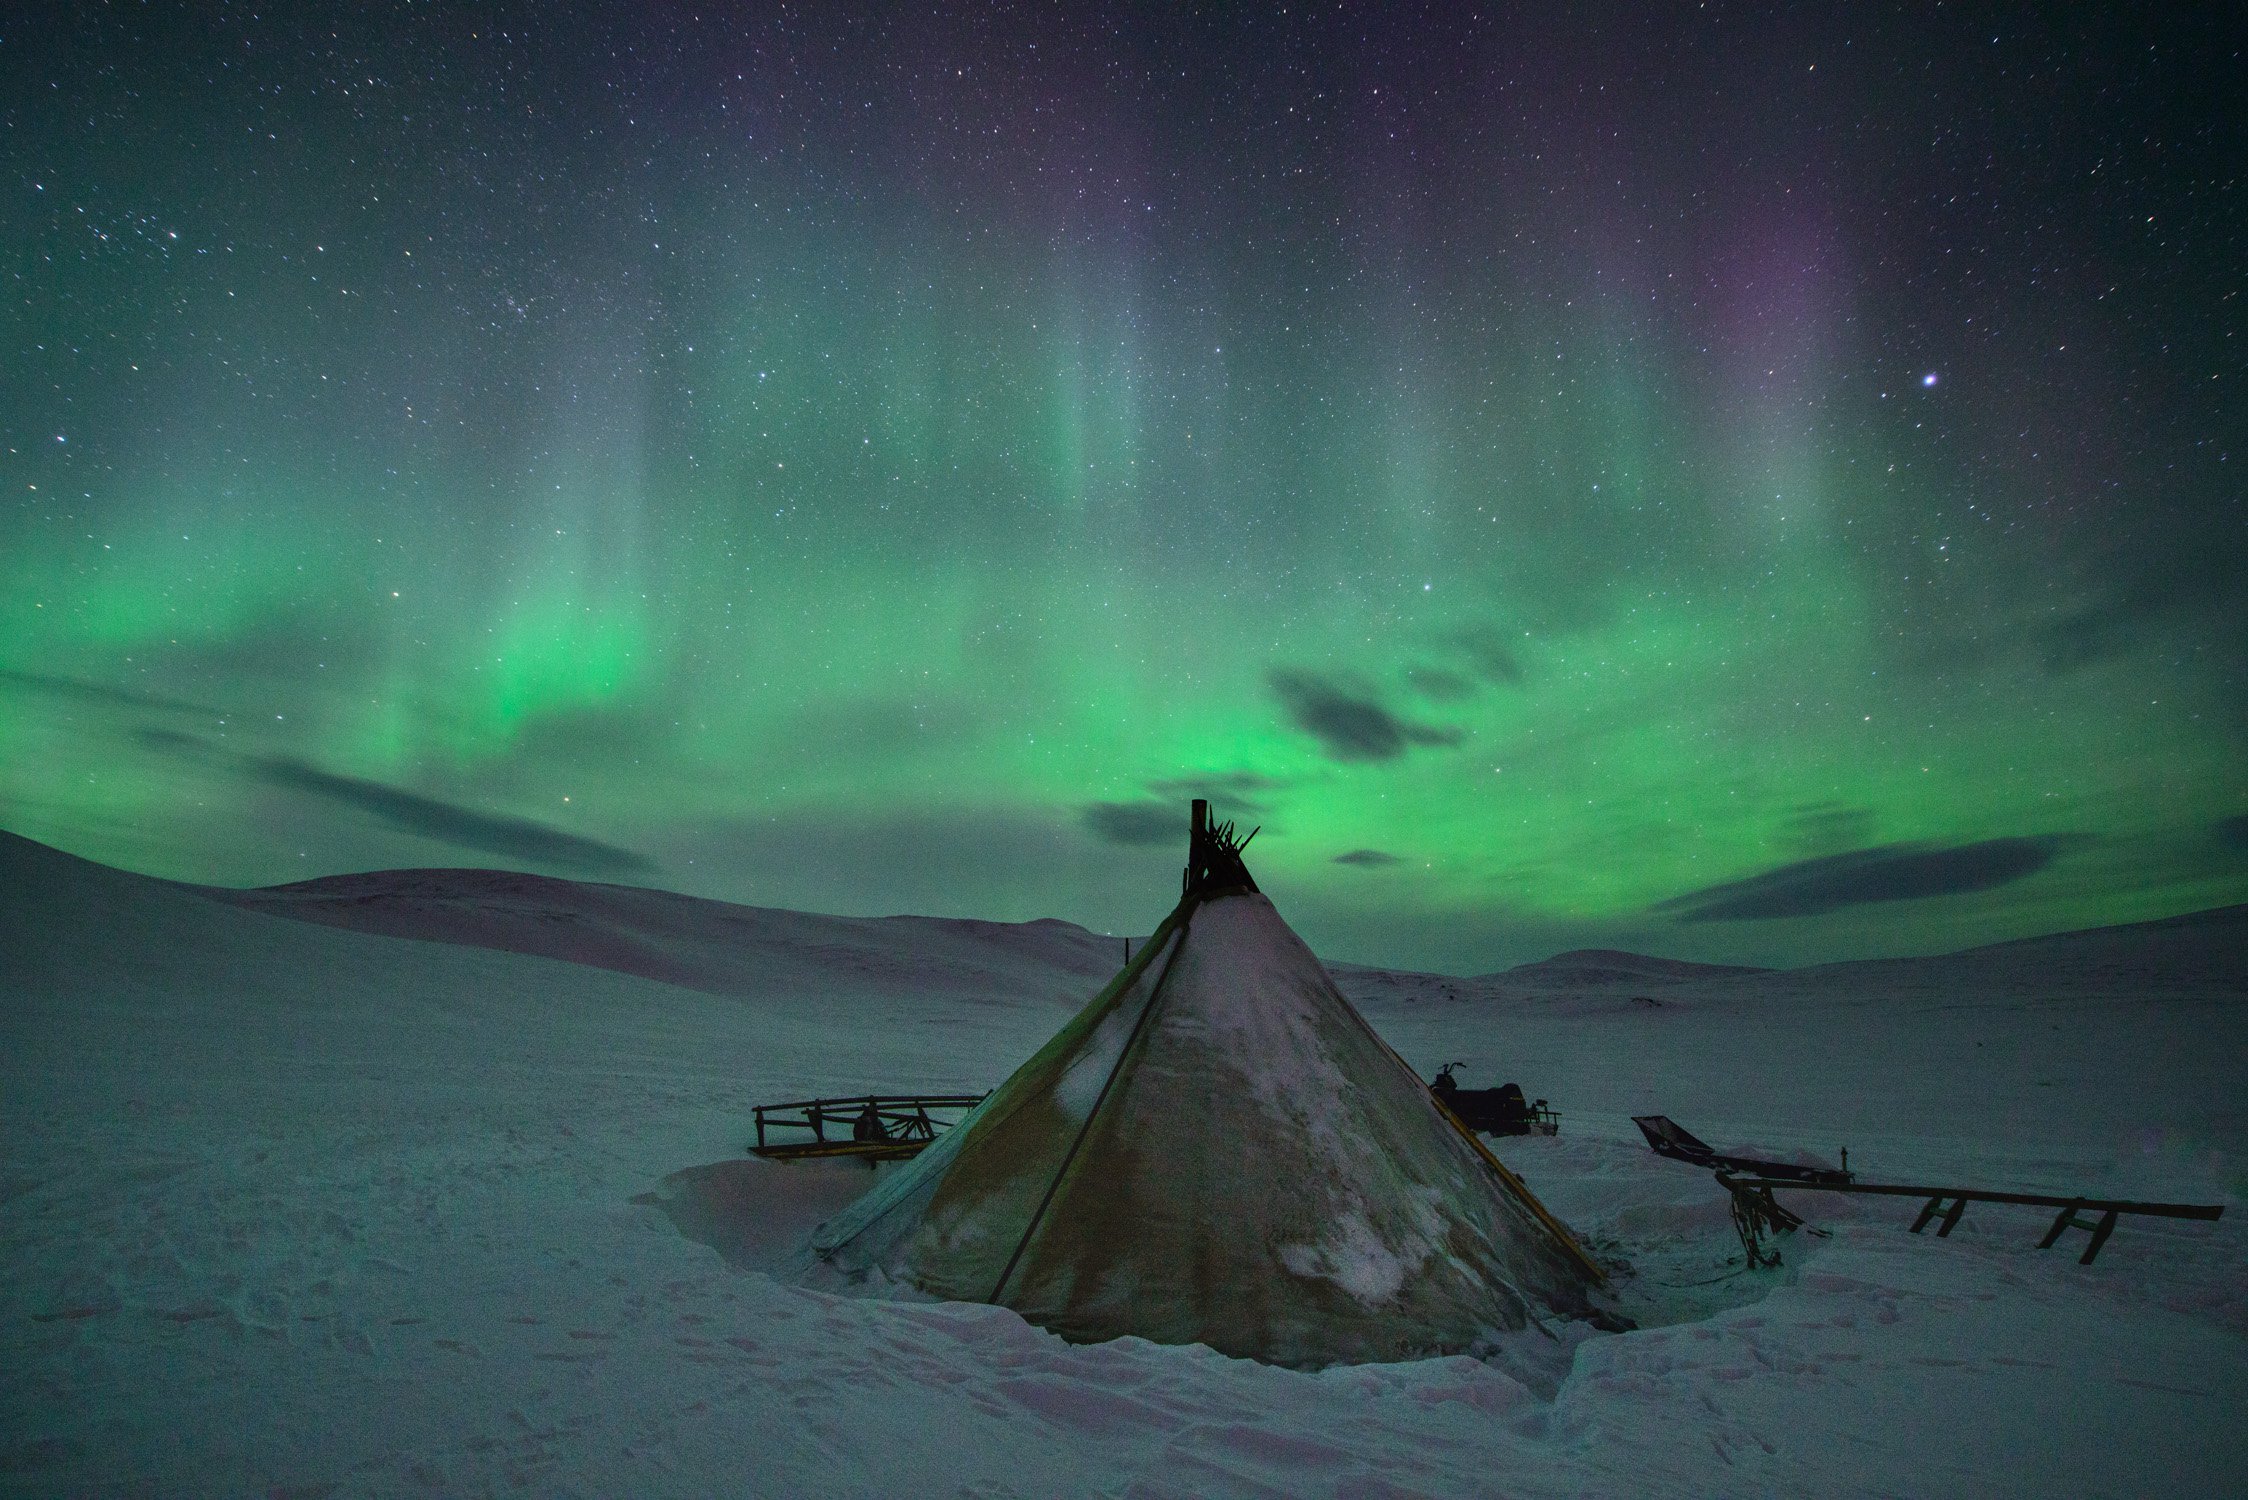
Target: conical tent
[(1219, 1150)]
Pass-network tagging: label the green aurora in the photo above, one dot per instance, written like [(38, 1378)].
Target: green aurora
[(805, 475)]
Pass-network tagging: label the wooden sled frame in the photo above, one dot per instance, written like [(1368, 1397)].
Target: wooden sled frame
[(869, 1127), (1754, 1210)]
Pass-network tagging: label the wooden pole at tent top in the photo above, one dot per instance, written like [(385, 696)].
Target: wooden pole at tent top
[(1197, 844)]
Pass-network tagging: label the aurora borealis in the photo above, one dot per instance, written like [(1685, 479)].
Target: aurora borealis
[(1725, 483)]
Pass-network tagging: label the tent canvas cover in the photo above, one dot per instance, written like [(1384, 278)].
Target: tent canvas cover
[(1218, 1149)]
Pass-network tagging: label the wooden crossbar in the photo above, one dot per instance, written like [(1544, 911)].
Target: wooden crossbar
[(1952, 1202)]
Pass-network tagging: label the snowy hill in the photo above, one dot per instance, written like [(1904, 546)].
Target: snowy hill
[(293, 1208), (1591, 966), (713, 946), (2203, 952), (726, 949)]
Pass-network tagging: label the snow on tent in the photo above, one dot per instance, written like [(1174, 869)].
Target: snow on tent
[(1219, 1150)]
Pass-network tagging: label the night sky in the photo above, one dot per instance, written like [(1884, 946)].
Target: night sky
[(1723, 483)]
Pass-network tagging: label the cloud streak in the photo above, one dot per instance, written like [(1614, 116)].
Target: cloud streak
[(94, 692), (411, 812), (1160, 817), (1492, 657), (1892, 872), (449, 822), (1135, 824), (1370, 859), (1240, 791), (1349, 726), (2163, 582)]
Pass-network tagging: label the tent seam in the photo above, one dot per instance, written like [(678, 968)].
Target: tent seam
[(1038, 1216)]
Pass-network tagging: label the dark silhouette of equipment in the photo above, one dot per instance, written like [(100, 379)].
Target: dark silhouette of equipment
[(1499, 1111)]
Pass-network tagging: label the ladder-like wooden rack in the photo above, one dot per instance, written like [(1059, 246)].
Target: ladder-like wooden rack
[(1754, 1209)]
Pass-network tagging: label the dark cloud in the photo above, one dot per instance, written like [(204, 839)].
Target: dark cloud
[(171, 741), (1470, 659), (2232, 832), (1241, 790), (1437, 684), (1348, 726), (2085, 636), (1491, 656), (1369, 858), (411, 812), (284, 648), (448, 822), (1161, 817), (2142, 595), (94, 692), (1894, 872), (989, 862), (1823, 827), (1136, 823)]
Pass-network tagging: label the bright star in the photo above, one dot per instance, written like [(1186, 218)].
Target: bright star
[(1929, 378)]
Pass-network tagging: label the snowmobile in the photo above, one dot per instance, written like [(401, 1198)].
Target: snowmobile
[(1499, 1111)]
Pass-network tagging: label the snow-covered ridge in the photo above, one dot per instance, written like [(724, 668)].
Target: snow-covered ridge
[(714, 946), (1611, 966), (2197, 952), (708, 945)]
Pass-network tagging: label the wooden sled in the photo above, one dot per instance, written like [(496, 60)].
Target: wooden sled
[(1669, 1138), (1755, 1213), (869, 1127)]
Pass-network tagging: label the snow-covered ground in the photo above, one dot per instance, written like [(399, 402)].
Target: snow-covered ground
[(293, 1209)]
